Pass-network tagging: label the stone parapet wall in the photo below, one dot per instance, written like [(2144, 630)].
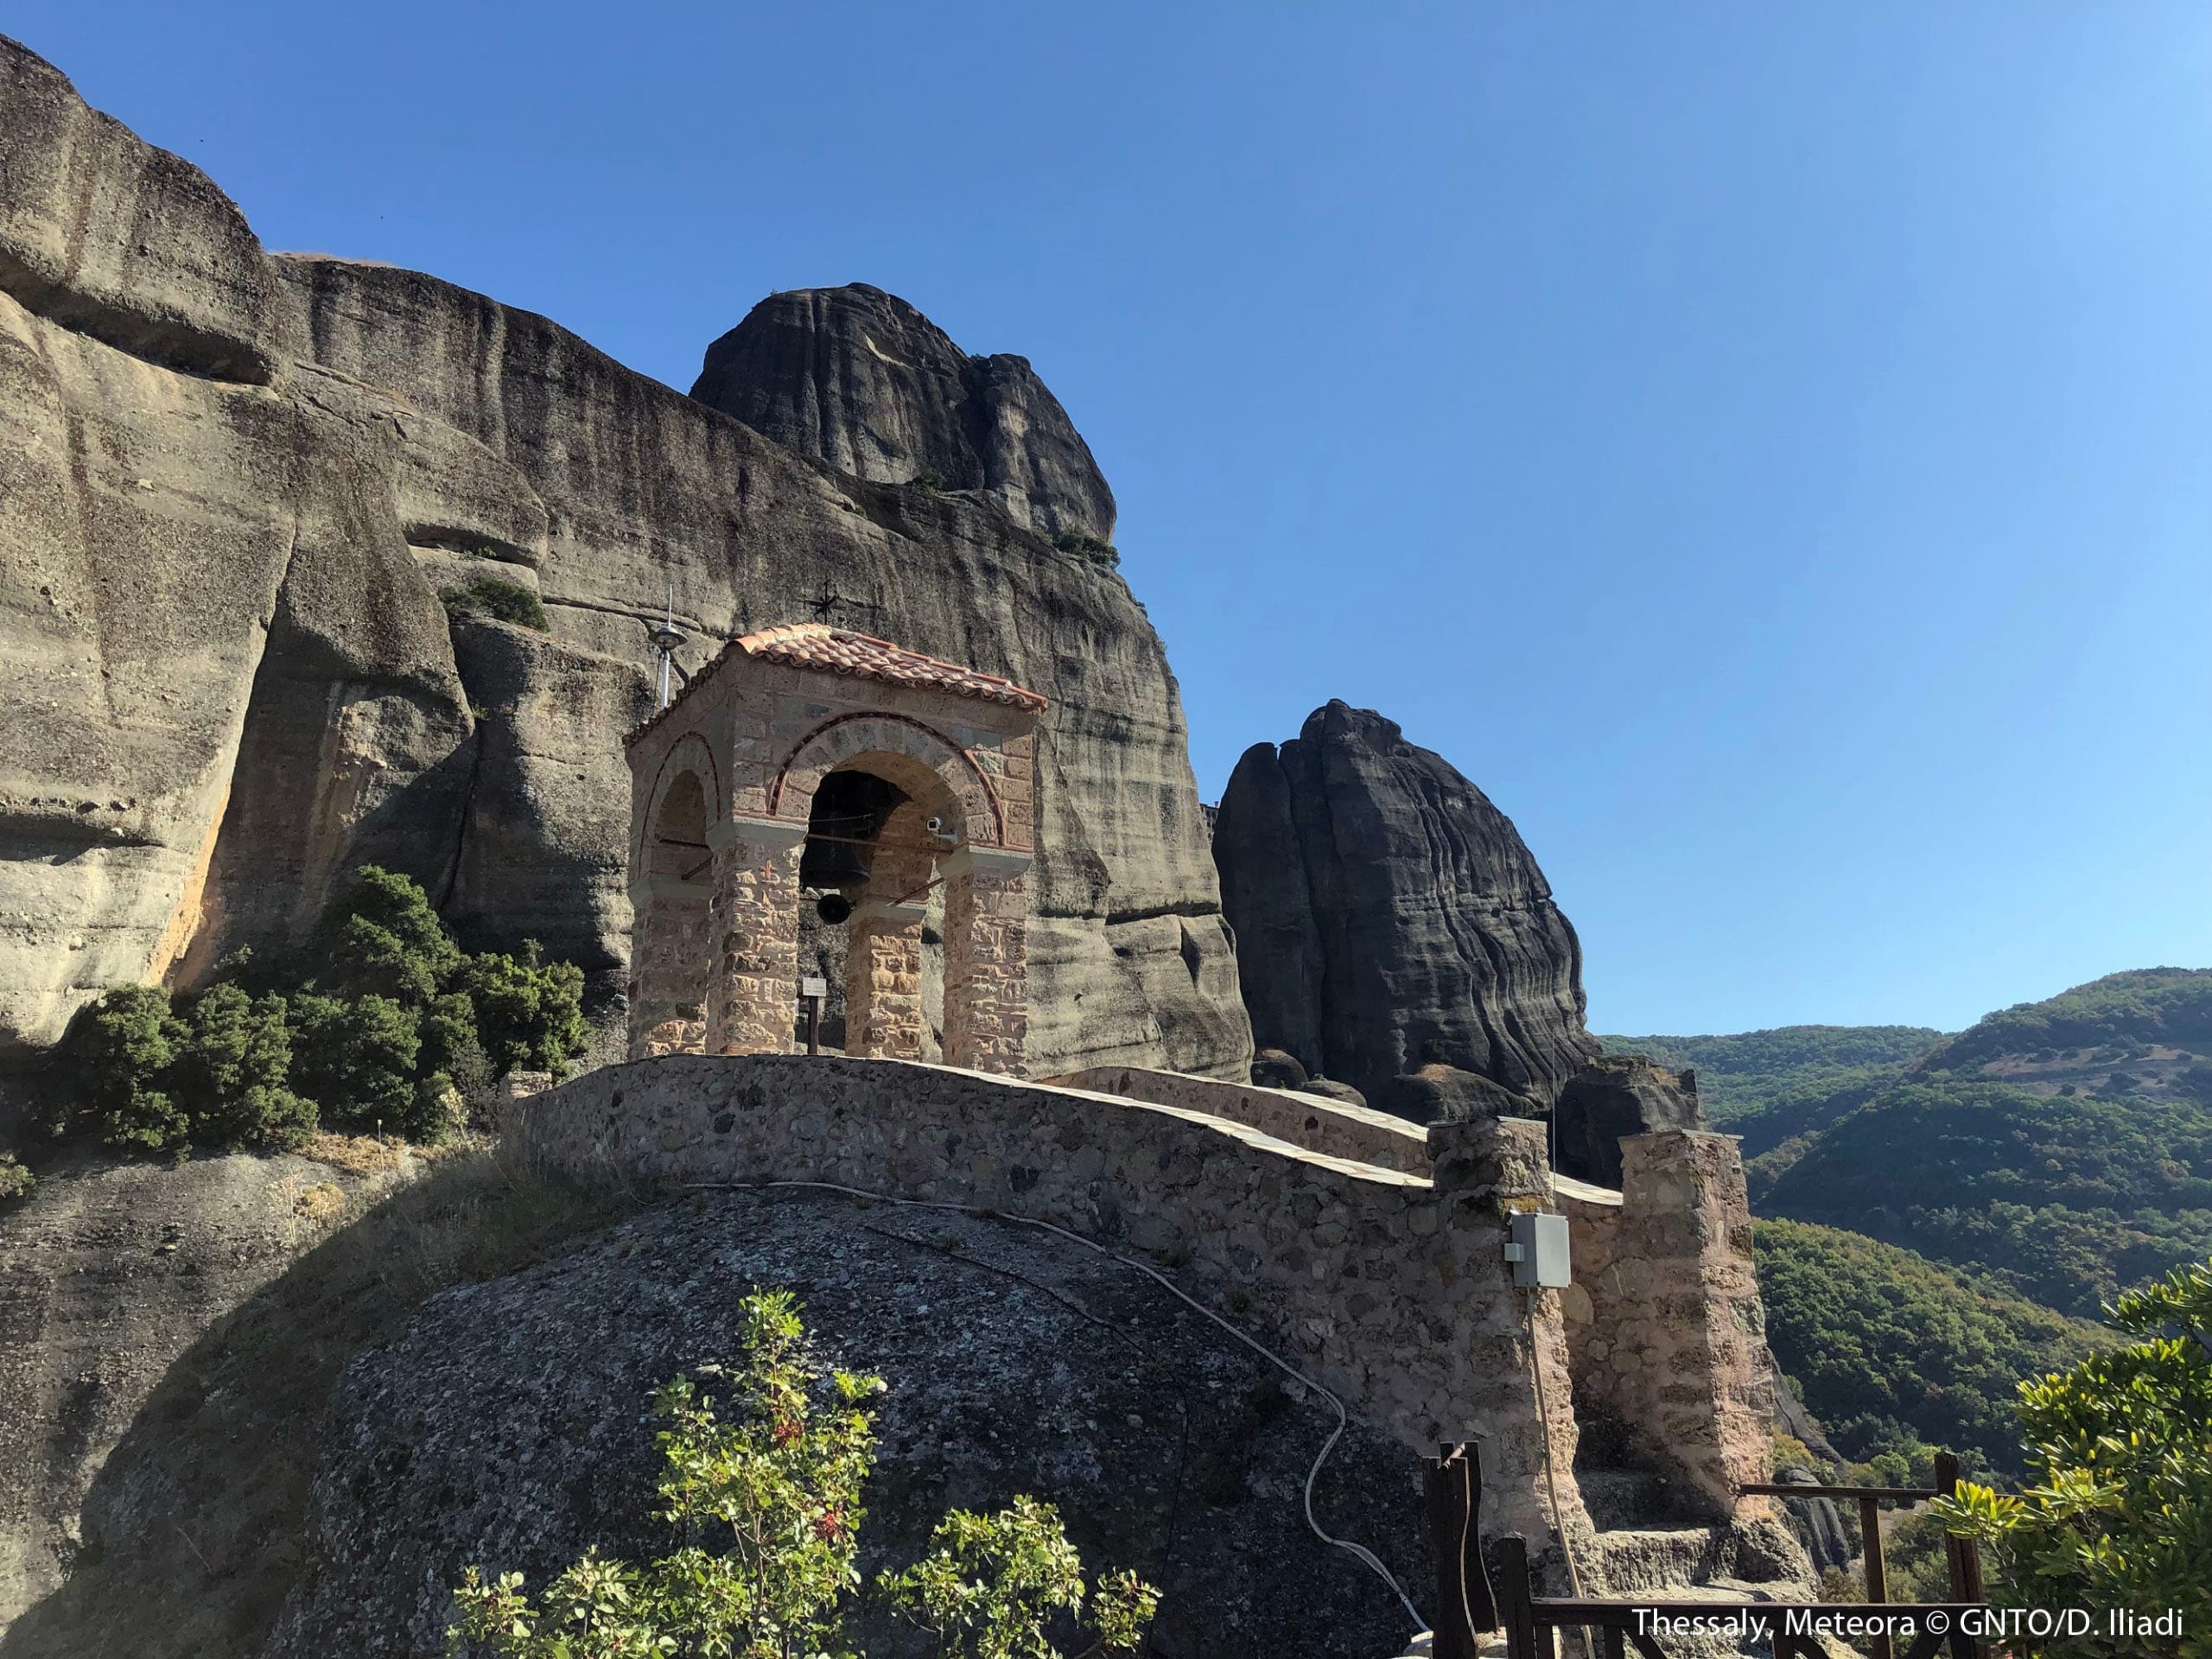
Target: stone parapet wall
[(1664, 1319), (1389, 1288), (1313, 1121)]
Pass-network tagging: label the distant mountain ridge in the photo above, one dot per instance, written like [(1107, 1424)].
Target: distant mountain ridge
[(2062, 1147), (1957, 1186)]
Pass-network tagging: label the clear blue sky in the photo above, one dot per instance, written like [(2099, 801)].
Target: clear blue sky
[(1768, 448)]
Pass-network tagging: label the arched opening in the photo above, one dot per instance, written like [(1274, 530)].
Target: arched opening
[(871, 905), (669, 930)]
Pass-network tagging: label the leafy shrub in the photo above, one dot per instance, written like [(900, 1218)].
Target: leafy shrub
[(15, 1180), (231, 1077), (406, 1035), (494, 597), (776, 1486), (358, 1058), (2121, 1515), (120, 1054), (388, 941), (931, 479), (530, 1012), (992, 1584)]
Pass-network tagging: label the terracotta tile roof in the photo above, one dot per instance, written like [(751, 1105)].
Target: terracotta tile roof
[(838, 651)]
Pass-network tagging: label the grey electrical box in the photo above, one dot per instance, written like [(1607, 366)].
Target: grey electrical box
[(1537, 1248)]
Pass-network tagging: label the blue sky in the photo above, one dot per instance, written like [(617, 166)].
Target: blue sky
[(1769, 448)]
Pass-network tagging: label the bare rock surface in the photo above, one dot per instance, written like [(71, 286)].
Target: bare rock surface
[(231, 484), (1614, 1096), (1389, 918), (859, 378), (508, 1427), (108, 1272)]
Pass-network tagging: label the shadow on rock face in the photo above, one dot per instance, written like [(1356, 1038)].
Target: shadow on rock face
[(506, 1423)]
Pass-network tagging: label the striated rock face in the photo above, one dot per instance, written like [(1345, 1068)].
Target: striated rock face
[(508, 1428), (1389, 918), (231, 484), (858, 378)]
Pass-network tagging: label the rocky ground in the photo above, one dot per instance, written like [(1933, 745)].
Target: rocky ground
[(508, 1426)]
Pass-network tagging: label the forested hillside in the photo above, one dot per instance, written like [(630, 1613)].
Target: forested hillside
[(2002, 1184), (1770, 1086), (1893, 1352)]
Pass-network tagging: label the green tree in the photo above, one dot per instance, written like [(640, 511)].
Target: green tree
[(231, 1074), (357, 1059), (765, 1501), (2120, 1513), (529, 1012), (387, 941), (120, 1051)]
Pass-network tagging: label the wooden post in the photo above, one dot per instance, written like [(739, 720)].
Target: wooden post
[(1877, 1578), (1444, 1478), (1464, 1606), (1960, 1559), (811, 990), (1515, 1597)]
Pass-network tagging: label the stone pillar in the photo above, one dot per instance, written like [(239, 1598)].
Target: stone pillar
[(1504, 1339), (752, 991), (1686, 1366), (670, 963), (883, 980), (987, 959)]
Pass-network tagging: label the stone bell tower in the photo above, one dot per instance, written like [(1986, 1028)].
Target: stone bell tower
[(723, 793)]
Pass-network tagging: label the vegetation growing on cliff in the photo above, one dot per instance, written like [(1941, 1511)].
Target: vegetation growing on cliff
[(1897, 1356), (765, 1501), (397, 1029), (500, 599)]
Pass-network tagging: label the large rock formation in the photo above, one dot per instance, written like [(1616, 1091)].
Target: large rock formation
[(1388, 918), (859, 379), (507, 1425), (231, 484)]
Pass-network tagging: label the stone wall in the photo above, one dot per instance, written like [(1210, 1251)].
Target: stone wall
[(1388, 1288), (1313, 1121), (1668, 1332)]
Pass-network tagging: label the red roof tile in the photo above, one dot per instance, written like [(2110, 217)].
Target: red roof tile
[(837, 650)]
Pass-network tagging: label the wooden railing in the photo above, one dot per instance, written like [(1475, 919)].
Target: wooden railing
[(1893, 1629)]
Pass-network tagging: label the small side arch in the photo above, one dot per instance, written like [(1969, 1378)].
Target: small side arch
[(689, 757)]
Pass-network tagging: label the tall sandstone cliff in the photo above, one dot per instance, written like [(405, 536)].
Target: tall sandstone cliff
[(231, 483), (1392, 927)]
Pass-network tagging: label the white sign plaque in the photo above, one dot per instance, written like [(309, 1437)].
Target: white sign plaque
[(814, 986)]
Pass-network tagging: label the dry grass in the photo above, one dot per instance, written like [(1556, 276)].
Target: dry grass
[(232, 1436)]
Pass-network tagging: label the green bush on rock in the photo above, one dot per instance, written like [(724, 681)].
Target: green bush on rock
[(503, 601), (765, 1501), (400, 1032)]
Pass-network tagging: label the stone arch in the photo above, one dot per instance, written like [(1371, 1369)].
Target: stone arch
[(671, 893), (689, 756), (919, 758)]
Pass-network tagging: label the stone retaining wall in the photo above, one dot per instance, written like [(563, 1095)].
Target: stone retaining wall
[(1313, 1121), (1390, 1288)]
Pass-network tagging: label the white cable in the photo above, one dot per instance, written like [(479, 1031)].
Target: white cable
[(1343, 1418), (1551, 1476)]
